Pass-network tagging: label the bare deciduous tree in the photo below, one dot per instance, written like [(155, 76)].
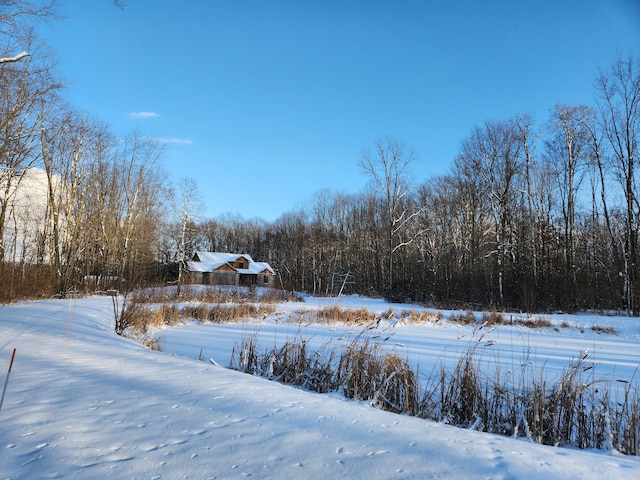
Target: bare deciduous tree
[(492, 156), (186, 206), (388, 168), (567, 150), (619, 107), (24, 88), (70, 141)]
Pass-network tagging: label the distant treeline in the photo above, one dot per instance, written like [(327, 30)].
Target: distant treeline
[(531, 217)]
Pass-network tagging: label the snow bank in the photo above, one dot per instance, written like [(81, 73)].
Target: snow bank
[(84, 403)]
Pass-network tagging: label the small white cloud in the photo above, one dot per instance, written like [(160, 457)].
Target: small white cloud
[(179, 141), (143, 115)]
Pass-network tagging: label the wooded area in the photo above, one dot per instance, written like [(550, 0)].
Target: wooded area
[(532, 216)]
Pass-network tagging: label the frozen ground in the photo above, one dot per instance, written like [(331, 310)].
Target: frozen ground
[(84, 403)]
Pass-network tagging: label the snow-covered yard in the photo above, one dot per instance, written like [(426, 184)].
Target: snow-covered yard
[(82, 402)]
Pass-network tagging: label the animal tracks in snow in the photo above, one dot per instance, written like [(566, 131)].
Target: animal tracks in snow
[(378, 452), (342, 451)]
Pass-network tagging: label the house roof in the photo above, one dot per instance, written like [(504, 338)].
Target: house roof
[(210, 261)]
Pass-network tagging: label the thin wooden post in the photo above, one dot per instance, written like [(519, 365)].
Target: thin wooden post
[(6, 382)]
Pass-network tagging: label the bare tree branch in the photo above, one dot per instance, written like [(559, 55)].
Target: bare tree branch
[(15, 58), (17, 18)]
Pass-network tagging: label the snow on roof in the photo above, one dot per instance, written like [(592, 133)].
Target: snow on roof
[(209, 261), (262, 266)]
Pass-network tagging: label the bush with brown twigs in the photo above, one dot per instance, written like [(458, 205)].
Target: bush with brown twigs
[(26, 282)]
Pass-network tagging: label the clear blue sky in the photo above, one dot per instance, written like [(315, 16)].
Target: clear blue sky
[(265, 103)]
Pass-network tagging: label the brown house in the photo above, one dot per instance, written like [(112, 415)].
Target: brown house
[(216, 268)]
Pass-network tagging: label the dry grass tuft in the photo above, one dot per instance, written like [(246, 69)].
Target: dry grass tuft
[(199, 312), (168, 314), (234, 313), (334, 314), (399, 391), (493, 318), (461, 394), (360, 369), (531, 322), (467, 318), (153, 343), (274, 295), (604, 329), (361, 316), (390, 314), (413, 316)]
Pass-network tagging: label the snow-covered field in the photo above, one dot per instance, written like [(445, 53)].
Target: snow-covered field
[(84, 403)]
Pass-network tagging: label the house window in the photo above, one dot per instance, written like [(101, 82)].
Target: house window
[(266, 279), (240, 264)]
